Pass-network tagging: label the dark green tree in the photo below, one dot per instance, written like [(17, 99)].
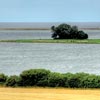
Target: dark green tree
[(65, 31)]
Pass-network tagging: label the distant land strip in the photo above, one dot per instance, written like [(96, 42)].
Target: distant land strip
[(67, 41), (44, 28), (24, 29), (90, 28)]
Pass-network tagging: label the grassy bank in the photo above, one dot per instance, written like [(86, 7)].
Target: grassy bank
[(48, 94), (88, 41)]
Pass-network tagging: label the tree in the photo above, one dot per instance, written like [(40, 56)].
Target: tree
[(65, 31)]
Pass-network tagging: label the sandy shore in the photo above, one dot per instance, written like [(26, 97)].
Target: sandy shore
[(48, 94)]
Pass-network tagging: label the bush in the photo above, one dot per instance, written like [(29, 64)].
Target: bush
[(74, 82), (34, 77), (42, 77), (56, 80), (2, 79), (13, 81), (82, 35), (66, 78), (91, 81), (65, 31)]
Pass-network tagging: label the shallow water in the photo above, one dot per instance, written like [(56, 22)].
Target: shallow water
[(16, 57), (38, 34), (24, 34)]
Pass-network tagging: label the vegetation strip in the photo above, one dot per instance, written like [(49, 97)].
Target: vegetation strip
[(46, 78), (69, 41)]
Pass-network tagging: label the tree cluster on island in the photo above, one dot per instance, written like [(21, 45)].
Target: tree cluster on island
[(65, 31)]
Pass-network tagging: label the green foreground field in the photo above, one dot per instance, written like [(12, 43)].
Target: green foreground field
[(87, 41), (48, 94)]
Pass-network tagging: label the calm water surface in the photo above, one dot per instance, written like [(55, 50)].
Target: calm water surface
[(16, 57), (37, 34), (24, 34)]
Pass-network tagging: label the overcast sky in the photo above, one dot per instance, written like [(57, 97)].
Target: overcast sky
[(49, 10)]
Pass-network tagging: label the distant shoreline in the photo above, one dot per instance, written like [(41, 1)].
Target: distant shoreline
[(90, 28), (24, 29), (67, 41), (44, 28)]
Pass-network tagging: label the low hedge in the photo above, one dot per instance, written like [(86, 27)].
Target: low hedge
[(46, 78)]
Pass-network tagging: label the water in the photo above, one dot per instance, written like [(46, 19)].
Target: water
[(37, 34), (47, 25), (93, 34), (24, 34), (16, 57)]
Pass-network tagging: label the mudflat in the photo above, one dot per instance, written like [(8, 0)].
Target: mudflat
[(48, 94)]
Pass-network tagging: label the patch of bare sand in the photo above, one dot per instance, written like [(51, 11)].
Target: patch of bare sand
[(48, 94)]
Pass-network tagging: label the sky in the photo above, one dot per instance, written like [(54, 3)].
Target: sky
[(49, 10)]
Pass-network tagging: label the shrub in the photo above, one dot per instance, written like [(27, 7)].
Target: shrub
[(13, 81), (34, 77), (91, 81), (42, 77), (74, 82), (2, 79), (82, 35), (66, 78), (56, 80)]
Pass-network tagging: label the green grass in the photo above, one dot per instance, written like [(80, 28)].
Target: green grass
[(88, 41)]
